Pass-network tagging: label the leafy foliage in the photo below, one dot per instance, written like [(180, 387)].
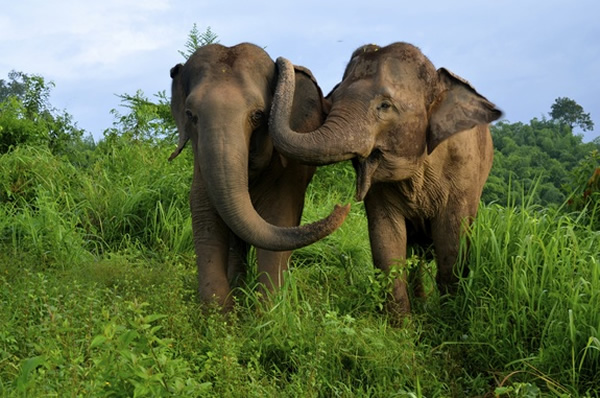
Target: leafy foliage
[(26, 117), (145, 120), (585, 188), (566, 111), (196, 40), (541, 154), (14, 87)]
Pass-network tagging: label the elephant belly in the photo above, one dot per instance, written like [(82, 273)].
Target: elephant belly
[(418, 233)]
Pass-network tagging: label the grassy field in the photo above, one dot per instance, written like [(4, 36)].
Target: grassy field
[(98, 297)]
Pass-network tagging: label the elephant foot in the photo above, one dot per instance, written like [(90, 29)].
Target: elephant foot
[(447, 287), (398, 312), (222, 301), (416, 283), (398, 304)]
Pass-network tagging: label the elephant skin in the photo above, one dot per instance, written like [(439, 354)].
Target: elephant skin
[(244, 192), (421, 147)]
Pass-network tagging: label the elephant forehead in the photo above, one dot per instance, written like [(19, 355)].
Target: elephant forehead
[(212, 95), (364, 68), (388, 71), (244, 66), (407, 73)]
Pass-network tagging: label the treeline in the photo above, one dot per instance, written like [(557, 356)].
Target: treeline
[(543, 159)]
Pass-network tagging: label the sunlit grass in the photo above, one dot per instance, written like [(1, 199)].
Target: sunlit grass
[(533, 296), (98, 298)]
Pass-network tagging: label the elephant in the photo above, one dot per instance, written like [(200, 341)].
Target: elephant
[(243, 192), (421, 147)]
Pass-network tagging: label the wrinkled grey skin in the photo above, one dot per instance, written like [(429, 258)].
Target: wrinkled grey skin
[(420, 144), (243, 191)]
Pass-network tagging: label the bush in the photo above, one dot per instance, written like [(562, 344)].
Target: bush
[(130, 196), (585, 189)]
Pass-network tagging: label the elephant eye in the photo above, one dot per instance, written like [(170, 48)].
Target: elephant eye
[(384, 105), (257, 117), (190, 115)]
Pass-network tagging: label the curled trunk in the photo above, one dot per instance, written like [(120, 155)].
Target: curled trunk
[(221, 156), (335, 141)]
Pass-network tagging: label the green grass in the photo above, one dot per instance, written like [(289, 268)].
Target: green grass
[(533, 297), (98, 298)]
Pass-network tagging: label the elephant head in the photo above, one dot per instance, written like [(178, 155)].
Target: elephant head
[(389, 113), (420, 144), (221, 98)]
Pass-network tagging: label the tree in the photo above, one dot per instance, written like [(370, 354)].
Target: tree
[(538, 156), (151, 121), (197, 40), (15, 86), (566, 111), (146, 120), (27, 117)]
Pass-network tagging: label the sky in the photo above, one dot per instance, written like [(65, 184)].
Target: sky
[(520, 54)]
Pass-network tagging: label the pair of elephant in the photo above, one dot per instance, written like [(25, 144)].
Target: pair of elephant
[(418, 138)]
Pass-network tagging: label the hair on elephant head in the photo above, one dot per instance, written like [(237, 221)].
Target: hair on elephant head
[(420, 144), (244, 192)]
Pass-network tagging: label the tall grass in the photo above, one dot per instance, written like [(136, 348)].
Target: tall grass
[(64, 214), (532, 298), (98, 297)]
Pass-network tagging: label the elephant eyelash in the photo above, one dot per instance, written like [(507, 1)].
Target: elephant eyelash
[(385, 104), (190, 116), (257, 117)]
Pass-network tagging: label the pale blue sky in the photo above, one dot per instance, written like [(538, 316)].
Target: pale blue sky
[(520, 54)]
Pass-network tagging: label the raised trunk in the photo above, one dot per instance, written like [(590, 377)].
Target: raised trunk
[(336, 140), (224, 164)]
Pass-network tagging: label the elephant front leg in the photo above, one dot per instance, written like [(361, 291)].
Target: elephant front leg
[(271, 267), (446, 233), (279, 198), (387, 233), (211, 242)]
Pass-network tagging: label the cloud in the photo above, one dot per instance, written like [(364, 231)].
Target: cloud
[(521, 55), (73, 39)]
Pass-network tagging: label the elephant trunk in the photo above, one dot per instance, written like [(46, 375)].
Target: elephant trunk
[(335, 141), (223, 160)]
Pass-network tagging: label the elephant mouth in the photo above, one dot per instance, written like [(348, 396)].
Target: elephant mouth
[(365, 168)]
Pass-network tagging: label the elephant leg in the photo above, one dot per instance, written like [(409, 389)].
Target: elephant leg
[(416, 281), (237, 261), (446, 233), (280, 200), (387, 233), (211, 242), (271, 266)]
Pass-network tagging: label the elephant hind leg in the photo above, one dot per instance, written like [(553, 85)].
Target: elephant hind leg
[(279, 199), (272, 266), (416, 281), (447, 232), (237, 264)]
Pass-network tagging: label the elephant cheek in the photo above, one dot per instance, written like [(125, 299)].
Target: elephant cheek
[(411, 137), (260, 152)]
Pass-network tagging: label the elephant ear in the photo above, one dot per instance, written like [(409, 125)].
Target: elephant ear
[(177, 103), (325, 104), (457, 107)]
